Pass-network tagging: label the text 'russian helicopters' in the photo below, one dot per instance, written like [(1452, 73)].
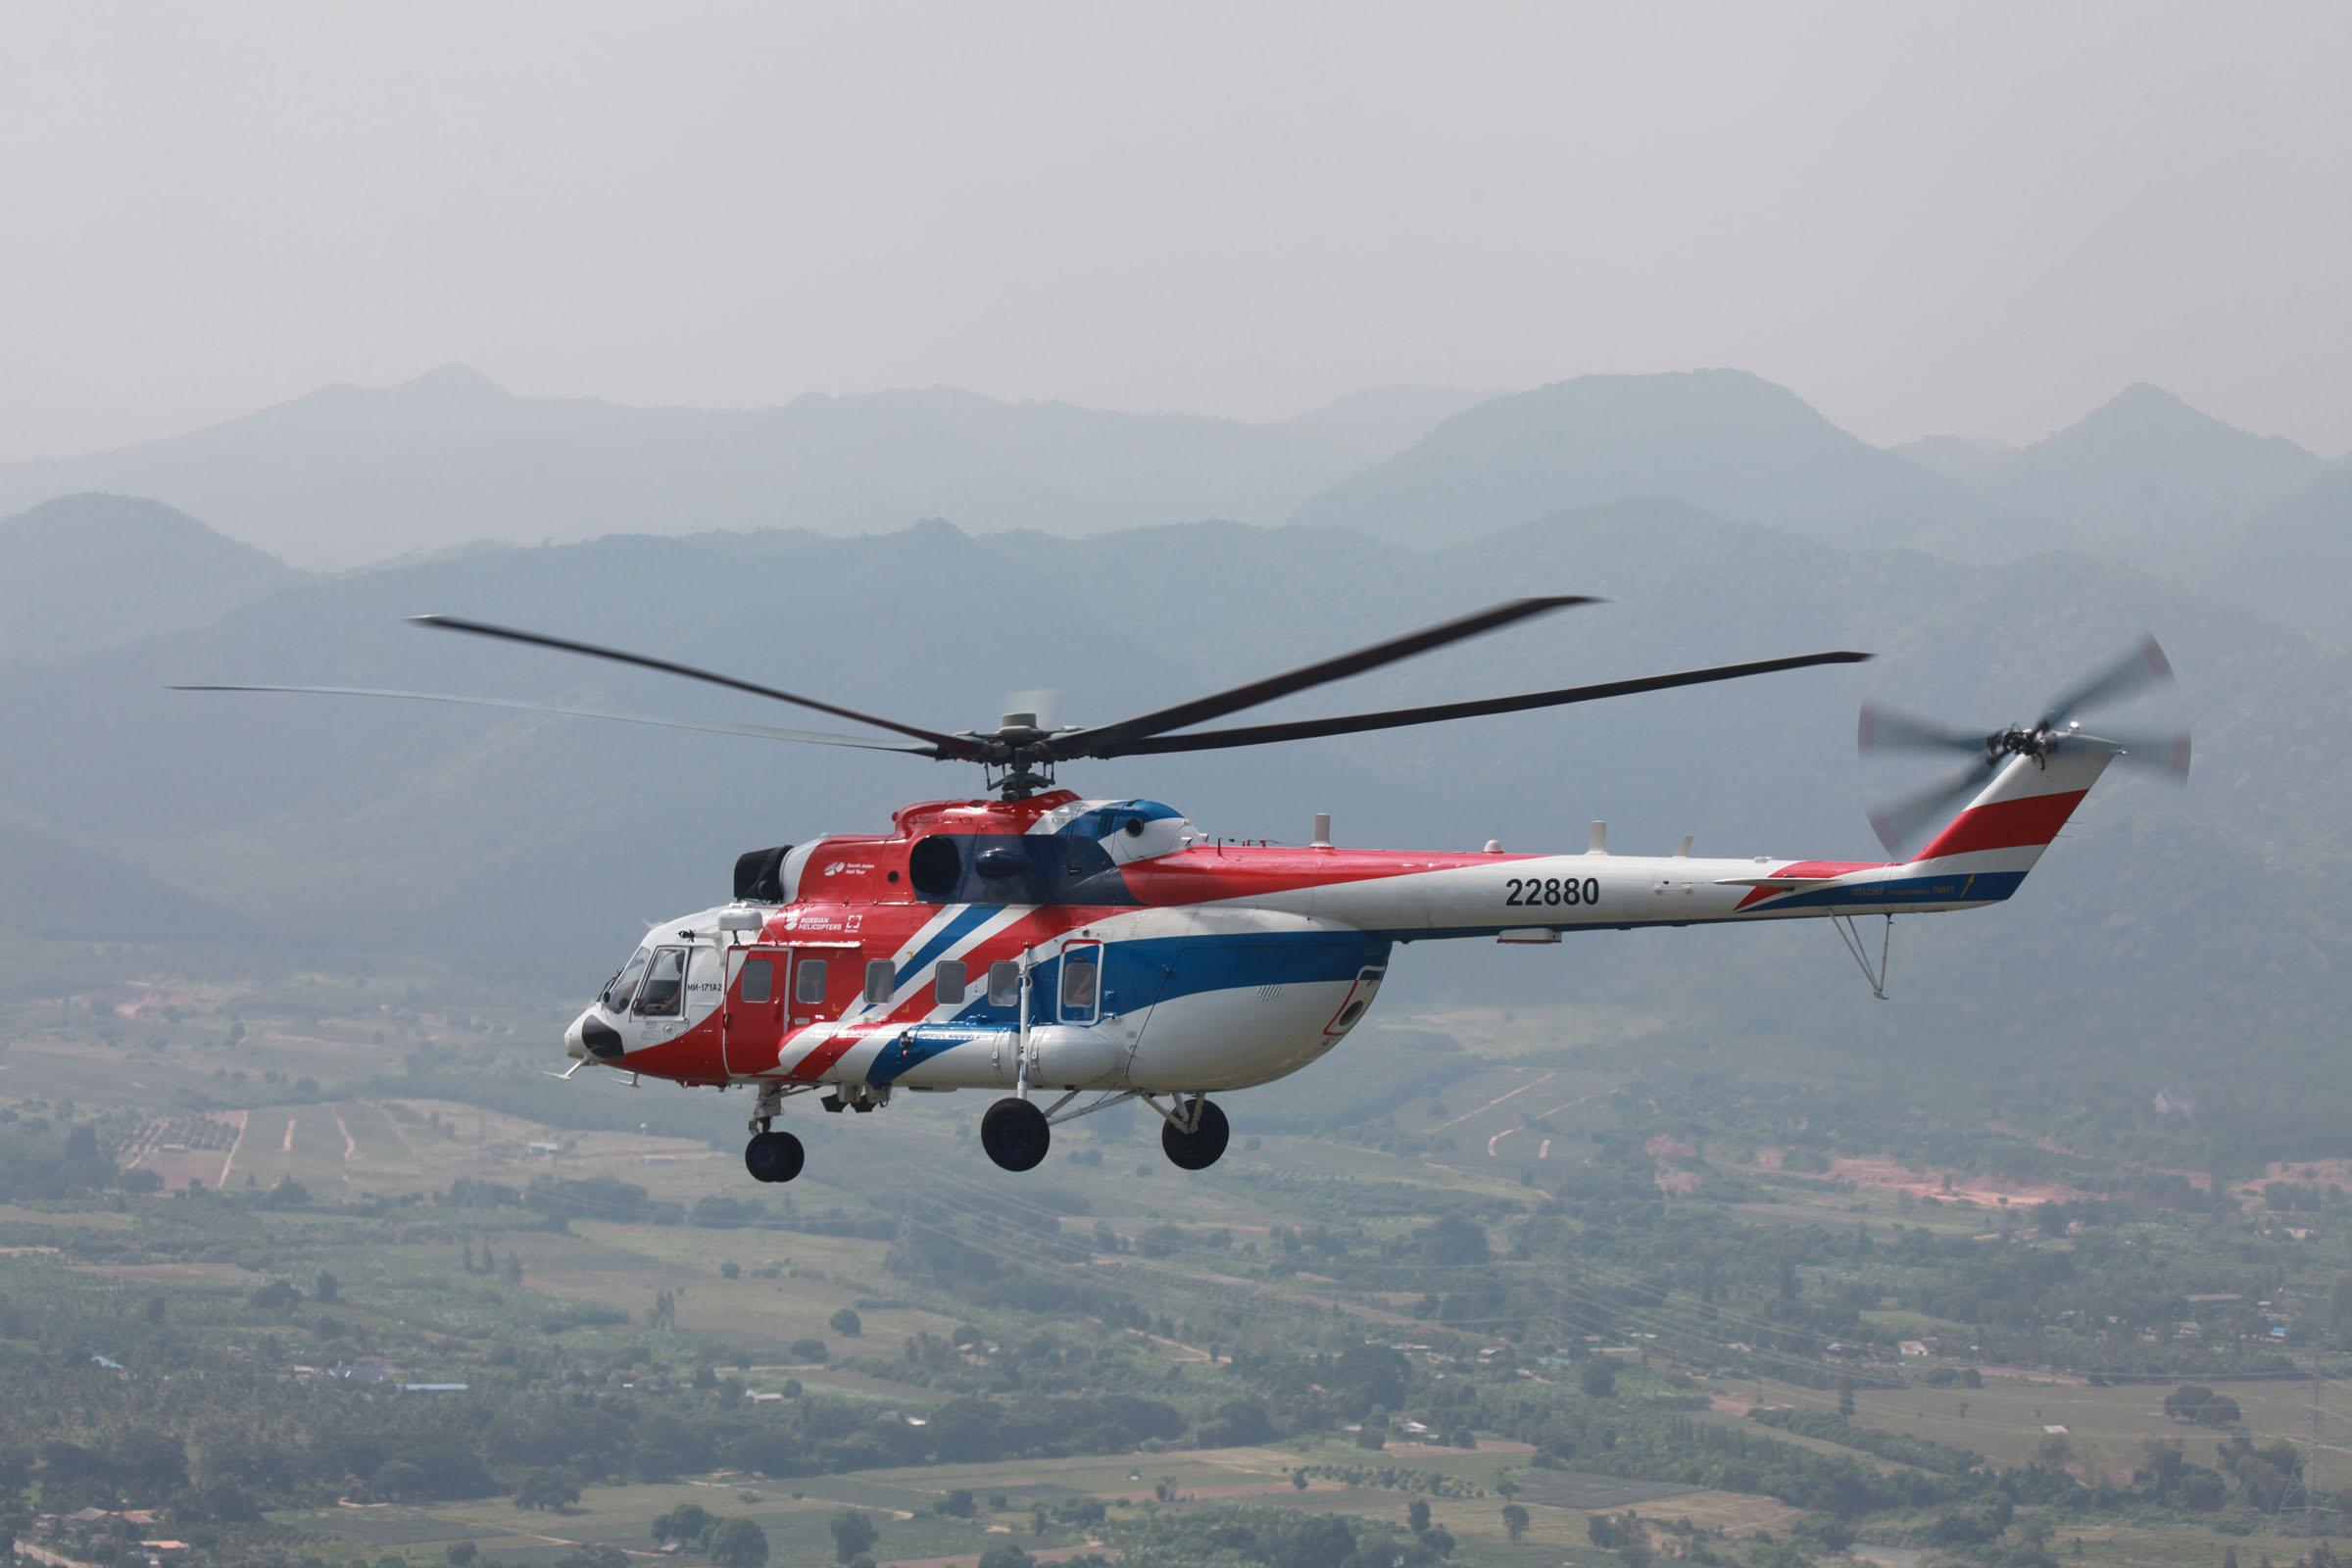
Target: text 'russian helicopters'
[(1094, 952)]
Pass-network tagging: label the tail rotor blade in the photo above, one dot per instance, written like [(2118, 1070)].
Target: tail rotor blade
[(1898, 819), (1884, 729), (2144, 666)]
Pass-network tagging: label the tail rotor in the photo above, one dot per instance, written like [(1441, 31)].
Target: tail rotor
[(1889, 730)]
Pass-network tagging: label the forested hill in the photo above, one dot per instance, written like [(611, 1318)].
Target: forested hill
[(89, 571)]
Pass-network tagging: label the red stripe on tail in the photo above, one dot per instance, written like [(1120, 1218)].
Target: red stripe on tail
[(2004, 825)]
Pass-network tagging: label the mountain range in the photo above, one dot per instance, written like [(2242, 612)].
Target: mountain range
[(348, 476)]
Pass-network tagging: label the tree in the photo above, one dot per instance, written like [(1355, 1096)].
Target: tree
[(1846, 1398), (462, 1553), (277, 1295), (329, 1290), (1416, 1515), (1597, 1377), (598, 1555), (2193, 1402), (1514, 1521), (549, 1490), (854, 1534), (686, 1523), (740, 1543), (1005, 1554), (846, 1322)]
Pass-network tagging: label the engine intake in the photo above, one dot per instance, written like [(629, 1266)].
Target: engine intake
[(760, 875)]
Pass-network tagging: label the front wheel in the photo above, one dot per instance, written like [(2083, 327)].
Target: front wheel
[(774, 1157), (1203, 1146), (1016, 1135)]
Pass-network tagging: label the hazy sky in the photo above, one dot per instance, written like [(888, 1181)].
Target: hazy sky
[(1975, 217)]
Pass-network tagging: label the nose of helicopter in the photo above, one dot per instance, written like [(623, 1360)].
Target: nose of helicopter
[(590, 1036)]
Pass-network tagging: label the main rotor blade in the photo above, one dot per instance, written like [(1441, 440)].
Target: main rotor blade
[(2167, 753), (2144, 666), (1884, 729), (1899, 819), (1398, 718), (763, 732), (949, 745), (1111, 740)]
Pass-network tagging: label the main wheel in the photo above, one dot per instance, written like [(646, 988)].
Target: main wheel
[(1203, 1146), (774, 1157), (1016, 1135)]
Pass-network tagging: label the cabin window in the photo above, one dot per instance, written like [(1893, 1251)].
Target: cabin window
[(1079, 973), (809, 982), (664, 984), (947, 985), (759, 980), (881, 979), (1005, 984), (624, 984)]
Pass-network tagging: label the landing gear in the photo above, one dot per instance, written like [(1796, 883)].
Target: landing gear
[(1204, 1145), (774, 1157), (1016, 1135)]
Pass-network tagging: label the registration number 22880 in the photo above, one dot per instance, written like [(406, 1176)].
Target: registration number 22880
[(1527, 892)]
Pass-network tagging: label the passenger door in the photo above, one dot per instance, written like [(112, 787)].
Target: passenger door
[(753, 1026)]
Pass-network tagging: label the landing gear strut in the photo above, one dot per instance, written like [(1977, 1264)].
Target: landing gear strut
[(1203, 1145), (770, 1156), (1016, 1135)]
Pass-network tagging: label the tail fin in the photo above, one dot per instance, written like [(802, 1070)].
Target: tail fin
[(2014, 818)]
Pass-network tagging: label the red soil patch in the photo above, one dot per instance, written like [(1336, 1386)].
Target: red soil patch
[(972, 1560), (1986, 1192)]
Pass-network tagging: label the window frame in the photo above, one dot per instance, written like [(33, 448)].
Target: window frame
[(677, 1001), (950, 983), (1074, 955), (803, 969), (881, 982), (639, 962)]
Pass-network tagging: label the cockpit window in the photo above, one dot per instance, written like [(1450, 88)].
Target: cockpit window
[(624, 984), (664, 984)]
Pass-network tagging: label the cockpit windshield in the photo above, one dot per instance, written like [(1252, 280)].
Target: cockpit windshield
[(664, 984), (624, 984)]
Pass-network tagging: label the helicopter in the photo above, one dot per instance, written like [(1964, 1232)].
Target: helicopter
[(1086, 953)]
